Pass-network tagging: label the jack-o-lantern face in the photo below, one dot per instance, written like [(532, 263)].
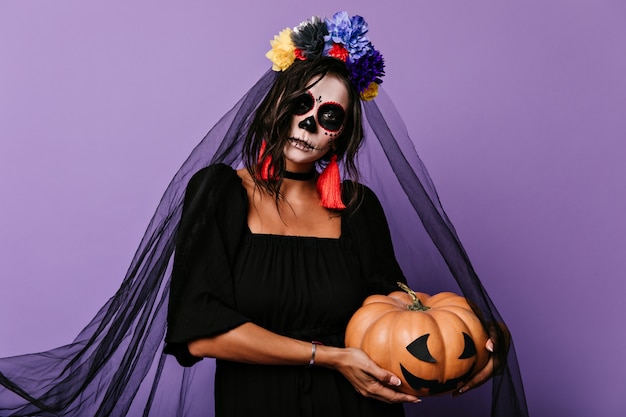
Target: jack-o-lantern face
[(433, 345), (419, 349)]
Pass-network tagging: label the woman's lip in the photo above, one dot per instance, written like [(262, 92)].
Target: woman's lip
[(302, 145)]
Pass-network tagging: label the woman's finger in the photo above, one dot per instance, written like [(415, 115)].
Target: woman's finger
[(382, 393), (478, 379)]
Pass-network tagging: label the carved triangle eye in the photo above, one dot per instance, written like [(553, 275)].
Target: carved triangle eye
[(470, 347), (419, 349)]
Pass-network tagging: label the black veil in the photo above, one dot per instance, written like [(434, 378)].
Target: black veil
[(116, 365)]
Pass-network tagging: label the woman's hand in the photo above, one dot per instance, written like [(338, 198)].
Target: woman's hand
[(481, 376), (369, 379), (497, 360)]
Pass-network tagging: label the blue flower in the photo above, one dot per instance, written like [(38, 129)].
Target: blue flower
[(348, 31)]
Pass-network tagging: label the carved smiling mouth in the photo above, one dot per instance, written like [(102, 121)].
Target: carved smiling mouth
[(303, 145), (435, 387)]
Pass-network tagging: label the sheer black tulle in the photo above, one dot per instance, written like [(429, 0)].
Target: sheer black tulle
[(116, 365)]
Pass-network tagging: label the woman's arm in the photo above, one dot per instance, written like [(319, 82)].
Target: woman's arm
[(250, 343)]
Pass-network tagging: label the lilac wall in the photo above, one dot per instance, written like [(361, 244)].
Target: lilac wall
[(517, 108)]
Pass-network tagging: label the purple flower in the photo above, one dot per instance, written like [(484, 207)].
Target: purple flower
[(367, 69), (348, 31)]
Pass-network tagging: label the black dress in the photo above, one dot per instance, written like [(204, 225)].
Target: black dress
[(302, 287)]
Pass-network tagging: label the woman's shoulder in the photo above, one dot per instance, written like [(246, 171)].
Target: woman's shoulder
[(364, 196), (215, 172), (214, 183), (215, 176)]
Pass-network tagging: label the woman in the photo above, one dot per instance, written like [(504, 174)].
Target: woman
[(289, 264), (250, 234), (293, 273)]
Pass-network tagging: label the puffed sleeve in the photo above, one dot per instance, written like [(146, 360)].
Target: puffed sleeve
[(368, 225), (202, 300)]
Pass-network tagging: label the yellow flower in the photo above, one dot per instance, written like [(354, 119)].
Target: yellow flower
[(370, 92), (282, 53)]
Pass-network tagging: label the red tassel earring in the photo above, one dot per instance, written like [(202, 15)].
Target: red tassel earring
[(265, 172), (329, 186)]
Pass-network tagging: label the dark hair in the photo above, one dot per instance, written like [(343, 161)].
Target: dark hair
[(272, 123)]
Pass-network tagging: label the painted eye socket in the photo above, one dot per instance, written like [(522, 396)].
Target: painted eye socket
[(304, 104), (331, 116)]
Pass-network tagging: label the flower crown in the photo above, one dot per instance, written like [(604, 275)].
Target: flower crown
[(342, 37)]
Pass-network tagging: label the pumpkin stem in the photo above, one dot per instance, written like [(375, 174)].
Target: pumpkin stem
[(417, 304)]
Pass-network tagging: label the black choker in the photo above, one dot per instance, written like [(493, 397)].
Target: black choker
[(300, 176)]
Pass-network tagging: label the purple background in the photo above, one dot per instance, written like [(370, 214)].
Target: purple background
[(517, 109)]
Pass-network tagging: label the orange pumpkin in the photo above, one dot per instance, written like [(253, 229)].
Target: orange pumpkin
[(433, 343)]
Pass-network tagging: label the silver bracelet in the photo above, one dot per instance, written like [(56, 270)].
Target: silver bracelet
[(314, 344)]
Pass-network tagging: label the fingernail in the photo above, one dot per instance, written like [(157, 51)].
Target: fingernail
[(458, 392), (490, 345), (395, 381)]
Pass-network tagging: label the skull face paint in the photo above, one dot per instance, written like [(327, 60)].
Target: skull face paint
[(318, 118), (330, 115)]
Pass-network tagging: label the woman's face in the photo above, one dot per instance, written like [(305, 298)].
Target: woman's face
[(319, 119)]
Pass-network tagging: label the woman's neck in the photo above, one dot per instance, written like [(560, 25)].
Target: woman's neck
[(300, 176)]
